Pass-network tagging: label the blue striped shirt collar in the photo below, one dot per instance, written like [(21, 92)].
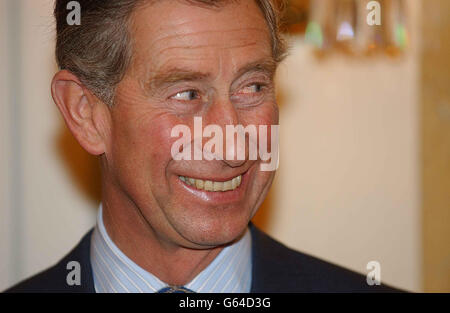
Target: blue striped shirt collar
[(113, 271)]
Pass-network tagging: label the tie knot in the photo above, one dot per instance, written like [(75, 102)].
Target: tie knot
[(175, 289)]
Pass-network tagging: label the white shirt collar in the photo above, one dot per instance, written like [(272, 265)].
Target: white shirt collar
[(113, 271)]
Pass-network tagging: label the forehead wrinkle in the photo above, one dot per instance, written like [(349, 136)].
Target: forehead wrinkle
[(201, 32), (181, 62), (171, 24), (209, 51), (168, 49), (185, 37), (244, 45), (237, 46)]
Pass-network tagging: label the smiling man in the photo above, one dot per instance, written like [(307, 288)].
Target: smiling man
[(130, 73)]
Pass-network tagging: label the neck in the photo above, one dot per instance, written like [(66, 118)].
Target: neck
[(132, 234)]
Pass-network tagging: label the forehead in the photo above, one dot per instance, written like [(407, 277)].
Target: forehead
[(173, 33)]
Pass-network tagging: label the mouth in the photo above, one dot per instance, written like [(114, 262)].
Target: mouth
[(211, 185)]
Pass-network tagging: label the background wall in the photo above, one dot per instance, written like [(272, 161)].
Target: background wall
[(43, 210), (348, 187), (348, 184)]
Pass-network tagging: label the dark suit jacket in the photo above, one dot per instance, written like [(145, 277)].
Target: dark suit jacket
[(276, 268)]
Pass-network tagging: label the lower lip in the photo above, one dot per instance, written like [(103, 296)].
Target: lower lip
[(218, 197)]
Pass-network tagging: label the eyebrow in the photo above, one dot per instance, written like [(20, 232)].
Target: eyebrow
[(174, 75), (267, 66)]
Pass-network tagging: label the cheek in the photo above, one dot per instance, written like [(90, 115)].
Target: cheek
[(266, 114), (141, 146), (156, 144)]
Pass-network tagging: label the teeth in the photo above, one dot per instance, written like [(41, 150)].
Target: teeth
[(199, 183), (218, 186), (227, 185), (209, 185)]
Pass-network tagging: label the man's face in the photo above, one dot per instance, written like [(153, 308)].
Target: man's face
[(191, 61)]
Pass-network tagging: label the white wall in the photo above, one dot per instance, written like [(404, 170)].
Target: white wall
[(5, 204), (347, 188), (46, 214)]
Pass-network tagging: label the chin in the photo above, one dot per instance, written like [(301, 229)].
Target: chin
[(213, 233)]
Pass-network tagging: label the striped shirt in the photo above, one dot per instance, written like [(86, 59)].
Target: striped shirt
[(113, 271)]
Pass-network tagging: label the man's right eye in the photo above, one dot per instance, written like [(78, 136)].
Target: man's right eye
[(187, 95)]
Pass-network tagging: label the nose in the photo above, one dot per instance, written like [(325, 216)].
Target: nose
[(222, 113)]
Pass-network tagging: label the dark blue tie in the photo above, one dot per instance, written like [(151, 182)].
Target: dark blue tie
[(175, 289)]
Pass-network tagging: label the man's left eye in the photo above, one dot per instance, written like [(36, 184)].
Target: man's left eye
[(253, 88), (187, 95)]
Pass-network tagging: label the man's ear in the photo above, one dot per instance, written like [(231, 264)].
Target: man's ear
[(86, 116)]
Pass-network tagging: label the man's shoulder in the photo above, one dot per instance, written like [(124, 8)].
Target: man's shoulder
[(54, 279), (277, 268)]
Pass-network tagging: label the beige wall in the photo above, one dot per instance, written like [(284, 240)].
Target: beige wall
[(43, 211), (347, 188), (5, 212)]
